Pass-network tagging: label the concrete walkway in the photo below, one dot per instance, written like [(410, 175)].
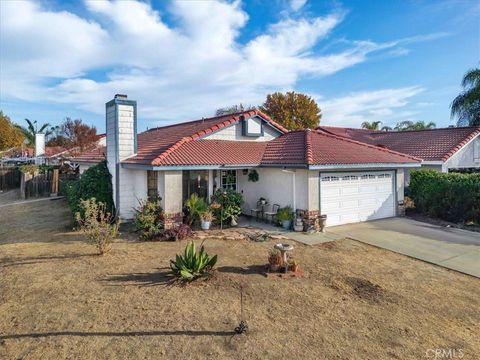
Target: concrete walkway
[(448, 247), (20, 202)]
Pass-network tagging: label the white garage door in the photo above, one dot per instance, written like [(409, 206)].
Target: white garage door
[(357, 196)]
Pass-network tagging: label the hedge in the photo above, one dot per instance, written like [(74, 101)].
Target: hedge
[(449, 196), (95, 182)]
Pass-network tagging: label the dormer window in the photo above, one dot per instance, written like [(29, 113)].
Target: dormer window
[(252, 126)]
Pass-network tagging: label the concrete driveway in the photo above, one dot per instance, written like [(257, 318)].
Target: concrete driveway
[(451, 248)]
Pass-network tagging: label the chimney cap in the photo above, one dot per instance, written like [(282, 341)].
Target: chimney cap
[(121, 96)]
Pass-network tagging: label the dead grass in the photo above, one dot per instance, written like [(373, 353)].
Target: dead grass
[(58, 300)]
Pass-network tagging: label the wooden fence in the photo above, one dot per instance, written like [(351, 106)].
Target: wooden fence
[(46, 184), (9, 177)]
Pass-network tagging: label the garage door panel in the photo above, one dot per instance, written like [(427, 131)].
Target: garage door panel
[(354, 197)]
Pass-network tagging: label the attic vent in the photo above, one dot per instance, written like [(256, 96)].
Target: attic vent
[(382, 146)]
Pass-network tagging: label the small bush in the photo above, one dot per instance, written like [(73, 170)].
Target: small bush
[(149, 218), (98, 224), (285, 214), (228, 205), (195, 206), (192, 265), (449, 196), (95, 182), (178, 232)]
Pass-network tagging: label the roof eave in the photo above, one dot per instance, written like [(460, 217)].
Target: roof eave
[(364, 166)]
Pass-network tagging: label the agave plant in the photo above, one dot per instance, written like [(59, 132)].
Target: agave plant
[(192, 265)]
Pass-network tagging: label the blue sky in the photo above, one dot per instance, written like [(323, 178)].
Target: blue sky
[(361, 60)]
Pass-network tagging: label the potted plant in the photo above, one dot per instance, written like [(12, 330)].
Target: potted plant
[(262, 200), (293, 265), (274, 260), (206, 219), (285, 217)]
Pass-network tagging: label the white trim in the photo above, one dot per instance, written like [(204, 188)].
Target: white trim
[(364, 166), (457, 151), (432, 162)]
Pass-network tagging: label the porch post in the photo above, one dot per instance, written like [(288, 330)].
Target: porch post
[(211, 180)]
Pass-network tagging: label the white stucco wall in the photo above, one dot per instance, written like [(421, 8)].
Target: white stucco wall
[(400, 185), (274, 185), (467, 157), (170, 188), (84, 166), (133, 187), (234, 132), (408, 171)]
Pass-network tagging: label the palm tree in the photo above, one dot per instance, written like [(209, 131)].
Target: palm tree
[(374, 125), (410, 125), (466, 106), (32, 129)]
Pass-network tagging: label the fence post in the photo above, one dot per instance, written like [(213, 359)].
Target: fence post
[(23, 184), (54, 183)]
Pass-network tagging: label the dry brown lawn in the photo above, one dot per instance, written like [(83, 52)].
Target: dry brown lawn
[(58, 300)]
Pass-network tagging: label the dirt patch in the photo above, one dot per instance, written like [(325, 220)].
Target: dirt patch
[(365, 289), (58, 300)]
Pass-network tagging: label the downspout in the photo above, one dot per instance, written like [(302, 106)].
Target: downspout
[(293, 188)]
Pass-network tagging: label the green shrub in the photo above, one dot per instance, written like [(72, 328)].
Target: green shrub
[(228, 205), (192, 265), (450, 196), (149, 218), (195, 206), (95, 182), (98, 224), (285, 214)]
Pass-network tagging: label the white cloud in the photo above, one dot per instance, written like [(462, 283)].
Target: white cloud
[(386, 105), (296, 5), (174, 71)]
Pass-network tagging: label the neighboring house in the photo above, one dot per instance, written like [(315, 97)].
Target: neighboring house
[(446, 149), (317, 172), (92, 156)]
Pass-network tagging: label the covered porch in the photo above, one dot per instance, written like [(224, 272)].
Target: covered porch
[(279, 186)]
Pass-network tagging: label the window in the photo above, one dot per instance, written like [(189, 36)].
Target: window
[(330, 178), (476, 150), (350, 177), (195, 182), (152, 184), (229, 179), (384, 176)]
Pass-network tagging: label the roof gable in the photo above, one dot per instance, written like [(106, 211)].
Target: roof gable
[(155, 145), (319, 148)]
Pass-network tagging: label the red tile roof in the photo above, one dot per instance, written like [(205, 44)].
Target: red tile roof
[(94, 155), (50, 151), (216, 152), (320, 148), (430, 145), (155, 145)]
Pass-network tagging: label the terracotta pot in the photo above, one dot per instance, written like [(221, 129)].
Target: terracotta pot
[(294, 268)]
